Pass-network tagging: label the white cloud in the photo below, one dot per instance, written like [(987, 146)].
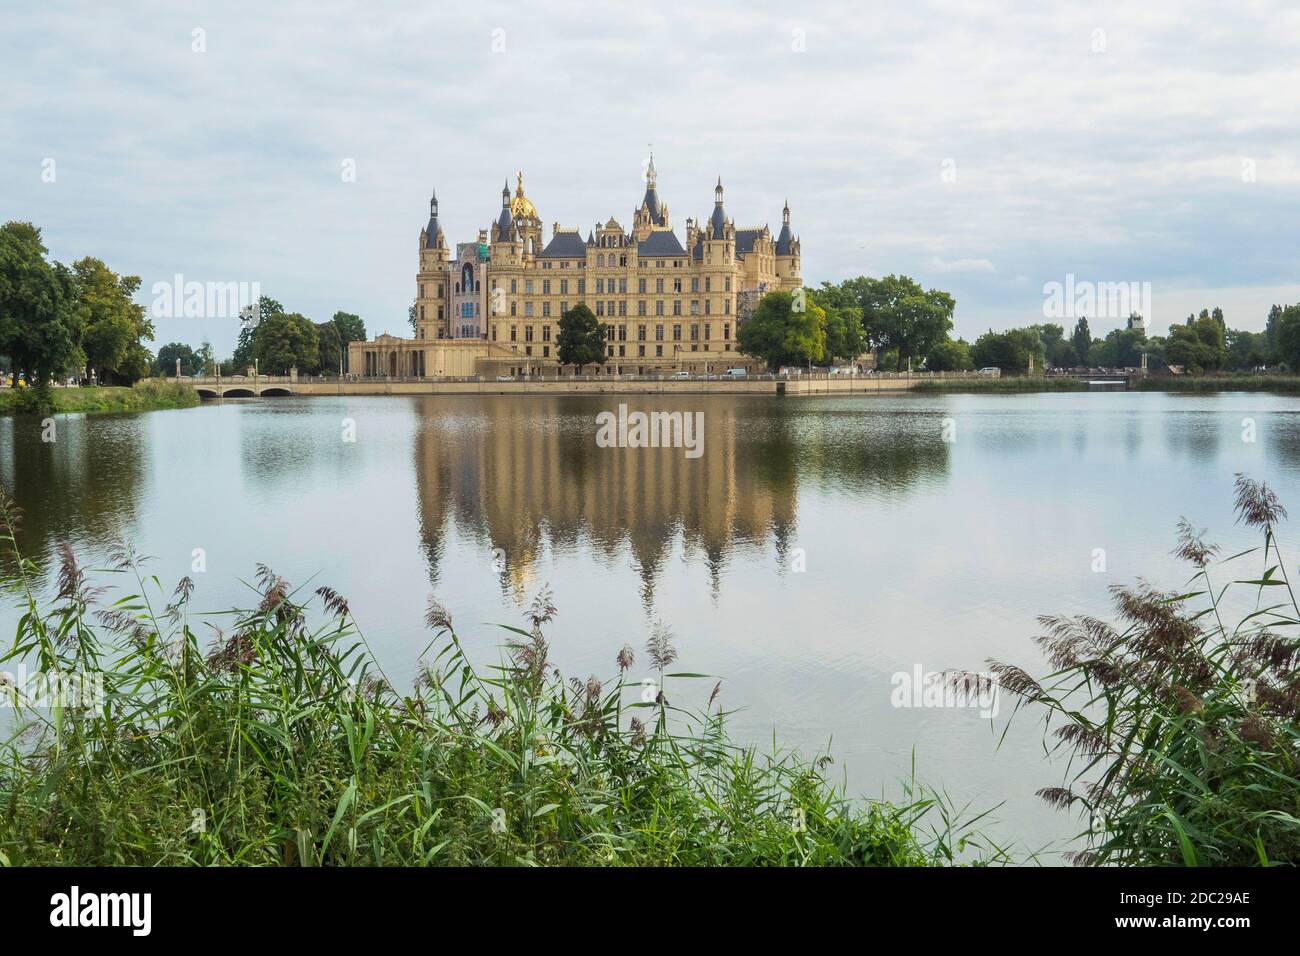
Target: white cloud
[(1123, 165)]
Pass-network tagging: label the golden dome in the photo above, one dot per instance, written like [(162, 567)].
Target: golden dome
[(521, 207)]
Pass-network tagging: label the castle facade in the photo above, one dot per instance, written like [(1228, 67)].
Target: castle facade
[(495, 307)]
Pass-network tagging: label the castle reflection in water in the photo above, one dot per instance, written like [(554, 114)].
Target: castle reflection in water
[(527, 477)]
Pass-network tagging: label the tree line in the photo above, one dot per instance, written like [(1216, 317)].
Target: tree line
[(57, 319)]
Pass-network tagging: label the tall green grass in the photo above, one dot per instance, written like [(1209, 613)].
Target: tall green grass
[(283, 742), (1225, 382), (148, 394), (1181, 727)]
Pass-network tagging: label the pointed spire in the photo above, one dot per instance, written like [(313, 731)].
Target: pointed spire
[(718, 221), (505, 194)]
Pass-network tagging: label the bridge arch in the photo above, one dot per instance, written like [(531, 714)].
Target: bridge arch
[(207, 393), (237, 393), (276, 391)]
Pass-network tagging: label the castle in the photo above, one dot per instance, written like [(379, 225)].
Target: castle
[(495, 308)]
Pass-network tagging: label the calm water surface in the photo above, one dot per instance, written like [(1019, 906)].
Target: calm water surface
[(818, 547)]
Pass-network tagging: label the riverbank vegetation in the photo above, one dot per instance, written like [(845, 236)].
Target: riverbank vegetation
[(281, 741), (1183, 729), (149, 394)]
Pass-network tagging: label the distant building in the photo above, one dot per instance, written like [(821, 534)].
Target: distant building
[(495, 308)]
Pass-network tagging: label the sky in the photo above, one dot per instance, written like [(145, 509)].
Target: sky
[(987, 149)]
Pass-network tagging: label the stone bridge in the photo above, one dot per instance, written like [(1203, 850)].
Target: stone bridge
[(243, 386)]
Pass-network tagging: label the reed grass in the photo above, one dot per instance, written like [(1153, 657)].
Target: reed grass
[(1181, 730), (282, 742)]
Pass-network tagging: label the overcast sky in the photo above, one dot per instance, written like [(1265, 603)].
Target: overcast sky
[(983, 148)]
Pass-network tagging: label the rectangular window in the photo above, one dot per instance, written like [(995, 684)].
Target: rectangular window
[(514, 285), (528, 333), (546, 308), (677, 333), (726, 330), (640, 286), (659, 306), (513, 336), (582, 287), (640, 333), (659, 351), (528, 286), (677, 306), (546, 333), (640, 307), (659, 333), (546, 284), (728, 283), (707, 303), (659, 286), (564, 287), (528, 308), (600, 306)]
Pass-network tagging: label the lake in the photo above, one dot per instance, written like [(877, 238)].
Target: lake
[(814, 550)]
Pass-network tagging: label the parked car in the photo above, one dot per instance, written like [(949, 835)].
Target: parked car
[(505, 378), (990, 370), (736, 373), (681, 374)]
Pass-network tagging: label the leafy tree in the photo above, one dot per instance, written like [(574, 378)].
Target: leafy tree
[(165, 364), (780, 335), (207, 361), (899, 315), (581, 338), (1081, 339), (410, 315), (41, 313), (1197, 346), (1009, 351), (844, 336), (1245, 350), (1287, 332), (284, 341), (350, 329), (949, 356), (329, 354), (114, 323), (1122, 348), (1062, 354), (246, 347)]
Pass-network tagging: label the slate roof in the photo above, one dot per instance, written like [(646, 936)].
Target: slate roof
[(783, 241), (565, 245), (663, 242), (652, 202), (745, 239)]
